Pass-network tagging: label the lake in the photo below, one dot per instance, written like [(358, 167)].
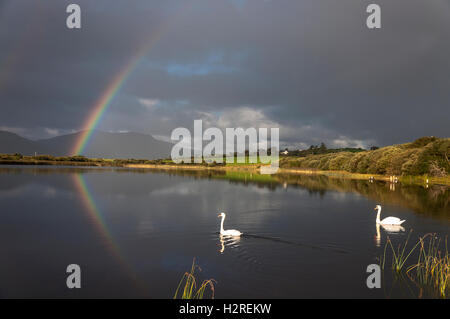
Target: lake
[(134, 232)]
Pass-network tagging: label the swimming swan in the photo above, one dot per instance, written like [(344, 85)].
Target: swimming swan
[(229, 232), (387, 220)]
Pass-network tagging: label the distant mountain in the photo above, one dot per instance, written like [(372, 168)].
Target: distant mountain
[(11, 143), (101, 145)]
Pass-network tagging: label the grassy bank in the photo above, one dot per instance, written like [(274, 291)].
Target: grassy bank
[(242, 173), (18, 159), (427, 156), (424, 161), (234, 171)]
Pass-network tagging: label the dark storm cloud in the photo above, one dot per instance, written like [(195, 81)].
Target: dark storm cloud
[(311, 67)]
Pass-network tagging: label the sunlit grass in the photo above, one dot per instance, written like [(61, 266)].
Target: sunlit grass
[(187, 288), (433, 266), (399, 255), (432, 269), (246, 176)]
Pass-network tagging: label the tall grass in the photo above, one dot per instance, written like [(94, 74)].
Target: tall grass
[(432, 269), (399, 255), (190, 290), (433, 266)]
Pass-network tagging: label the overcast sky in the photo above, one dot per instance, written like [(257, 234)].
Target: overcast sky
[(310, 67)]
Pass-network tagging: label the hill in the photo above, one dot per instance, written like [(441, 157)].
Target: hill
[(426, 155), (101, 145), (11, 143)]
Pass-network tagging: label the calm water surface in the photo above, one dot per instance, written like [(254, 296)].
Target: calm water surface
[(134, 234)]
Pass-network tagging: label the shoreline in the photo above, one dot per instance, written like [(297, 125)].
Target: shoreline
[(420, 180), (245, 168)]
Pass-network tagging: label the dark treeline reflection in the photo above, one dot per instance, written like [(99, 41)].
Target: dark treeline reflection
[(433, 201)]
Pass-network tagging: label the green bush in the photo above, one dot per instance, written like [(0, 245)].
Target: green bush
[(426, 155)]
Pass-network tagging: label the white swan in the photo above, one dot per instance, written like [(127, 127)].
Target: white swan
[(229, 232), (387, 220)]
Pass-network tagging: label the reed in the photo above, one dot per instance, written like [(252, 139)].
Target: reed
[(190, 290), (433, 266), (399, 256), (432, 269)]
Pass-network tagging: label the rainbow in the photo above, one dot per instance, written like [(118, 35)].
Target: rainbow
[(108, 95), (114, 86), (98, 223), (94, 214), (101, 106), (96, 218)]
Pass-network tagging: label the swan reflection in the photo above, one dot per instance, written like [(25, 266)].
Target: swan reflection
[(228, 241), (393, 228), (389, 229)]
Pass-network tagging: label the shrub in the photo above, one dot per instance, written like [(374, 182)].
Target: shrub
[(436, 171), (421, 142), (338, 163), (427, 155)]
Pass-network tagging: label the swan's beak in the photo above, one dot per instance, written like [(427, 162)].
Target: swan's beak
[(219, 215), (375, 208)]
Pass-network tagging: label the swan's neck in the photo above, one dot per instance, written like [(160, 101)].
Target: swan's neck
[(221, 224), (378, 215)]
